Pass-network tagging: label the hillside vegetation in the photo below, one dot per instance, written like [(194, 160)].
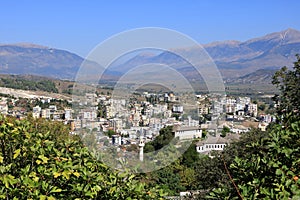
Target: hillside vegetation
[(23, 84)]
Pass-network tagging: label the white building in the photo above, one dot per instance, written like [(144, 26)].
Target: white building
[(116, 140), (90, 98), (159, 109), (243, 100), (203, 109), (191, 132), (211, 143), (117, 124), (217, 143), (46, 113), (89, 115), (190, 122), (68, 113), (252, 109), (217, 107), (239, 129), (3, 107), (36, 112), (177, 108)]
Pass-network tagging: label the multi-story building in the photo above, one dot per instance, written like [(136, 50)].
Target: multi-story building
[(46, 113), (36, 112), (251, 109), (91, 98), (68, 113), (177, 109), (203, 109), (191, 132), (3, 107)]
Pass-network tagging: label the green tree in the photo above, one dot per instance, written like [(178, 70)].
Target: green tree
[(270, 169), (169, 178), (165, 136), (224, 131), (267, 167), (262, 107), (40, 160), (288, 81), (204, 133), (110, 133), (190, 156)]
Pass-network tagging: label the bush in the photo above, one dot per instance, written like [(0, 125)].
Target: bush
[(39, 160)]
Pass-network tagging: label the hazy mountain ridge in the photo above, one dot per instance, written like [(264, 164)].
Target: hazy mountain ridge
[(39, 60), (233, 58), (271, 51), (259, 76)]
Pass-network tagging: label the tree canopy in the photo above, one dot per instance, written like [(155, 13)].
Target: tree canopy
[(268, 165), (288, 82), (40, 160)]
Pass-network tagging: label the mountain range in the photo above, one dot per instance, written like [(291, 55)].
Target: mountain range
[(235, 59)]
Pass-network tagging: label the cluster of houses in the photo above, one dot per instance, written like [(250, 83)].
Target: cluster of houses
[(52, 113), (129, 120)]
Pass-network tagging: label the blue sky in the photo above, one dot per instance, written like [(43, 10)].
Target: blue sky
[(78, 26)]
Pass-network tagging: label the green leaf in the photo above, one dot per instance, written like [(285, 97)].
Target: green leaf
[(278, 172), (10, 124), (27, 135), (38, 162), (16, 153), (43, 158), (36, 179), (295, 127), (76, 174), (43, 197), (56, 190), (66, 174), (8, 180), (288, 182), (56, 174)]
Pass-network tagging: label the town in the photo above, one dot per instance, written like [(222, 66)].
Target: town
[(214, 120)]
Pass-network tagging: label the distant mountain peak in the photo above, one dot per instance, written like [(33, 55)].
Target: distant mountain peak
[(226, 42), (284, 37), (291, 30), (233, 58), (26, 45)]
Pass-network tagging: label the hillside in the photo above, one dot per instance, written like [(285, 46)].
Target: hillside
[(39, 60), (233, 58), (261, 76)]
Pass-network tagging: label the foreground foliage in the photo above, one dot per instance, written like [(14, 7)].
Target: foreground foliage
[(270, 170), (288, 82), (269, 167), (39, 160)]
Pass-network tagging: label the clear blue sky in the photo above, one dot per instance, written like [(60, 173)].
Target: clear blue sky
[(78, 26)]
